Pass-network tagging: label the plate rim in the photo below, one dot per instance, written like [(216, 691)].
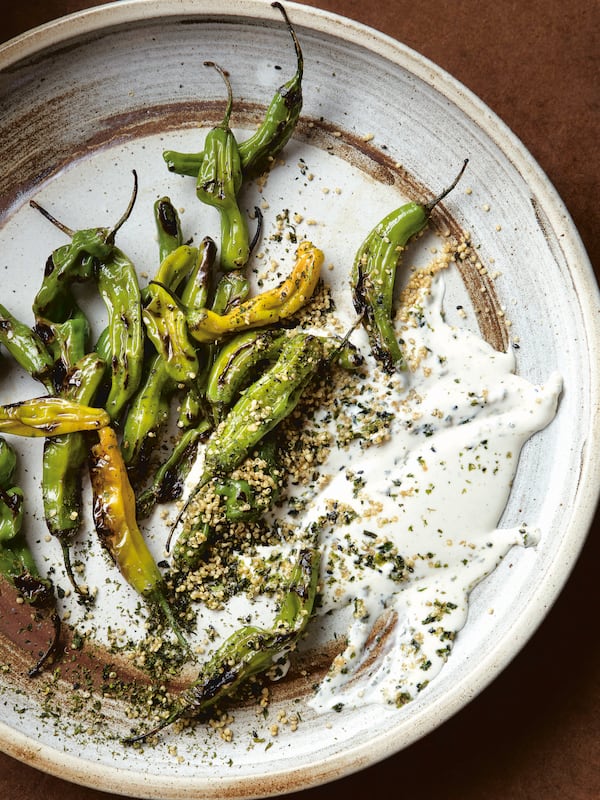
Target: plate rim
[(95, 19)]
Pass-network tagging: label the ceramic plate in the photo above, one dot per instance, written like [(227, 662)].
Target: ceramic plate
[(89, 98)]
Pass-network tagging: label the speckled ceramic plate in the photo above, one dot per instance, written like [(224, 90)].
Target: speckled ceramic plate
[(87, 99)]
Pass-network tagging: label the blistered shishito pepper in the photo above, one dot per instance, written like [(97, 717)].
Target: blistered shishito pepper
[(63, 460), (250, 650), (263, 405), (241, 501), (73, 263), (148, 410), (218, 183), (174, 268), (235, 362), (118, 285), (27, 348), (374, 274), (259, 151), (115, 520), (50, 416), (17, 563), (146, 417), (168, 227), (170, 477), (166, 327), (266, 308)]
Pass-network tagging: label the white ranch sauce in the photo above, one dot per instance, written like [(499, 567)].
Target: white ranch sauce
[(439, 487)]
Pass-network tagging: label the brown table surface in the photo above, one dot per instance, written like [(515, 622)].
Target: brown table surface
[(534, 734)]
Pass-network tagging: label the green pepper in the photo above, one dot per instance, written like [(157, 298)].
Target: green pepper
[(166, 327), (27, 348), (118, 285), (259, 151), (73, 263), (263, 405), (168, 226), (250, 650), (170, 477), (374, 273), (62, 463), (235, 362), (241, 501), (149, 410), (218, 183)]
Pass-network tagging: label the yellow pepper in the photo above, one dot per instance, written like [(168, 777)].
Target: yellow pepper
[(117, 528), (266, 308), (50, 416)]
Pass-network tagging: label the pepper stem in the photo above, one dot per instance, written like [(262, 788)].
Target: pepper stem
[(50, 651), (70, 574), (127, 213), (60, 225), (299, 56), (161, 601), (223, 74), (432, 203), (259, 225)]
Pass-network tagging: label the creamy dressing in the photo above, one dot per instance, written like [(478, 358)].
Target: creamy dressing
[(433, 493)]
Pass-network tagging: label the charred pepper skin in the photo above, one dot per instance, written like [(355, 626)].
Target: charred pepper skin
[(374, 273), (218, 183), (250, 650), (118, 285), (166, 327), (168, 227), (234, 365), (115, 520), (258, 153), (17, 563), (266, 308), (27, 348), (62, 464), (263, 405)]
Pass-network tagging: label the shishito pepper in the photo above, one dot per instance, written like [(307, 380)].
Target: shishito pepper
[(250, 650), (26, 347), (259, 151), (374, 274), (73, 263), (17, 564), (218, 183), (50, 416), (118, 285), (62, 463), (166, 327), (115, 520), (266, 308), (263, 405)]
